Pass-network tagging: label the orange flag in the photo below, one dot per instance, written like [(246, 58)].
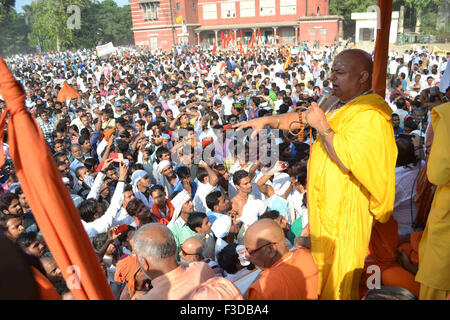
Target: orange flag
[(52, 206), (67, 92), (214, 49)]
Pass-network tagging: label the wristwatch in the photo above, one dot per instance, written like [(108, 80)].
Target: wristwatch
[(326, 132)]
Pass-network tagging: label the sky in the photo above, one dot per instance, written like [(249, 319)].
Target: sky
[(20, 3)]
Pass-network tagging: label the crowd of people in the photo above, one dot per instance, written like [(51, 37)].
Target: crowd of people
[(179, 206)]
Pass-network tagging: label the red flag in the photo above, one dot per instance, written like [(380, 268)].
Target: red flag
[(253, 39), (221, 38), (214, 49), (259, 33), (67, 92), (241, 50)]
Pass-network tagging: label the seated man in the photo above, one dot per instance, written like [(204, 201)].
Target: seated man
[(286, 275), (156, 250)]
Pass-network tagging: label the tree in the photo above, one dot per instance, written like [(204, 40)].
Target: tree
[(14, 33), (6, 6), (345, 8), (50, 23)]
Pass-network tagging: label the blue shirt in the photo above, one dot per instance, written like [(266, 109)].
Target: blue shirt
[(179, 187), (212, 216)]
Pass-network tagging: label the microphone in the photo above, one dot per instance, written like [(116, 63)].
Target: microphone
[(326, 94)]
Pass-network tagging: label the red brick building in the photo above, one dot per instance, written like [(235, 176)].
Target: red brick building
[(163, 23)]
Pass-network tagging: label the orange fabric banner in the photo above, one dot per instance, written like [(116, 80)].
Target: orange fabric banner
[(382, 47), (52, 206), (67, 92)]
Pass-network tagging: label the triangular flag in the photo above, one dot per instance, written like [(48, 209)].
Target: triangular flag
[(67, 92)]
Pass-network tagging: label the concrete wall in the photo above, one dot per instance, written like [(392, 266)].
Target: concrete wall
[(311, 31), (369, 20)]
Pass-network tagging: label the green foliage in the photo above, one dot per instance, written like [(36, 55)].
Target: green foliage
[(6, 6), (426, 10), (345, 8), (43, 25), (13, 38)]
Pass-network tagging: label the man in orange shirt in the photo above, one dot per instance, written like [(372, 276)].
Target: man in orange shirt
[(286, 275)]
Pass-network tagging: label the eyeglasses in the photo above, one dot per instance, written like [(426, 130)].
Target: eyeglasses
[(251, 252), (187, 254)]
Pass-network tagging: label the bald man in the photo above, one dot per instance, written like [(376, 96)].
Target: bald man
[(192, 250), (351, 180), (286, 275), (156, 249)]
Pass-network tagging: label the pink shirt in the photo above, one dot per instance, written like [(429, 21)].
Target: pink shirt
[(179, 283)]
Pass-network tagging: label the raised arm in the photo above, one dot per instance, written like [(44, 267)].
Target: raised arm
[(213, 178)]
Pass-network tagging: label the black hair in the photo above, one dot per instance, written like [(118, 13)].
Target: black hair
[(195, 220), (6, 199), (272, 214), (90, 163), (228, 258), (212, 199), (87, 209), (157, 187), (160, 151), (406, 153), (183, 172), (238, 176), (25, 239), (202, 173)]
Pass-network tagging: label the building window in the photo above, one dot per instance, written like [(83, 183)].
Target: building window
[(150, 10), (288, 7), (177, 6), (228, 10), (267, 7), (209, 11), (247, 8)]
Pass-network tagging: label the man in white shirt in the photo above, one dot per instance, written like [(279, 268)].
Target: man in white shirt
[(207, 183), (227, 103)]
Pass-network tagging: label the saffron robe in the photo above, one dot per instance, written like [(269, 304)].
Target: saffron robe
[(342, 206)]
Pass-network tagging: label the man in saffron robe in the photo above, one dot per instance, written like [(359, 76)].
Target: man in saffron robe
[(434, 248), (351, 179)]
